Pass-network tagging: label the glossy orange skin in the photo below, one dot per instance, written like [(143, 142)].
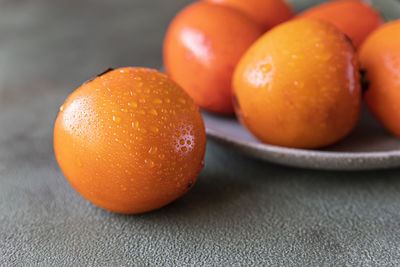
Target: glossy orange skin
[(201, 49), (130, 141), (268, 13), (354, 18), (298, 85), (380, 57)]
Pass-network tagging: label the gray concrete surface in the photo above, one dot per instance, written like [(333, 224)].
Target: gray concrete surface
[(242, 212)]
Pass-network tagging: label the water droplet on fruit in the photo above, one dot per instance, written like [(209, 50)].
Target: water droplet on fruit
[(149, 162), (181, 100), (298, 84), (116, 119), (132, 104), (266, 67), (154, 129), (157, 101), (153, 150), (324, 56)]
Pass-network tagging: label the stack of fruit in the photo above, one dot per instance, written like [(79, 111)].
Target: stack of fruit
[(131, 140), (299, 84)]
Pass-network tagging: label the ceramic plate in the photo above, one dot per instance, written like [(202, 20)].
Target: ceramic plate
[(368, 147)]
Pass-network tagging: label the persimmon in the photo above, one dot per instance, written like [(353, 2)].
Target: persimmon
[(203, 44), (130, 141), (299, 85), (268, 13), (354, 18), (380, 58)]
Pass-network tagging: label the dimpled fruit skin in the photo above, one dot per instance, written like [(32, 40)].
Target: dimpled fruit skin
[(268, 13), (298, 85), (380, 57), (130, 141), (201, 49), (354, 18)]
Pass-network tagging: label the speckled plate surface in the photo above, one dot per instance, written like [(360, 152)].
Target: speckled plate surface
[(368, 147)]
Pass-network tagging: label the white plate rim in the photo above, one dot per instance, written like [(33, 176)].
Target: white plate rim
[(310, 159)]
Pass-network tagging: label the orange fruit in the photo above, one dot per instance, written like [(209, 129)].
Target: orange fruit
[(268, 13), (298, 85), (380, 57), (354, 18), (201, 49), (130, 141)]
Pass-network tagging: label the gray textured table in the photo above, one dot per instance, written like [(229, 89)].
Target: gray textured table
[(241, 211)]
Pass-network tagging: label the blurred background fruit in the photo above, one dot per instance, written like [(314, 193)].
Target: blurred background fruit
[(130, 140), (354, 18), (380, 58), (268, 13), (299, 85), (202, 46)]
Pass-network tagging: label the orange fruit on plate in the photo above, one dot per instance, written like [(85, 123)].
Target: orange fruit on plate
[(354, 18), (380, 58), (201, 49), (130, 140), (299, 85), (268, 13)]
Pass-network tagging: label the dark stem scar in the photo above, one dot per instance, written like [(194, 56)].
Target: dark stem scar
[(104, 72), (98, 75)]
